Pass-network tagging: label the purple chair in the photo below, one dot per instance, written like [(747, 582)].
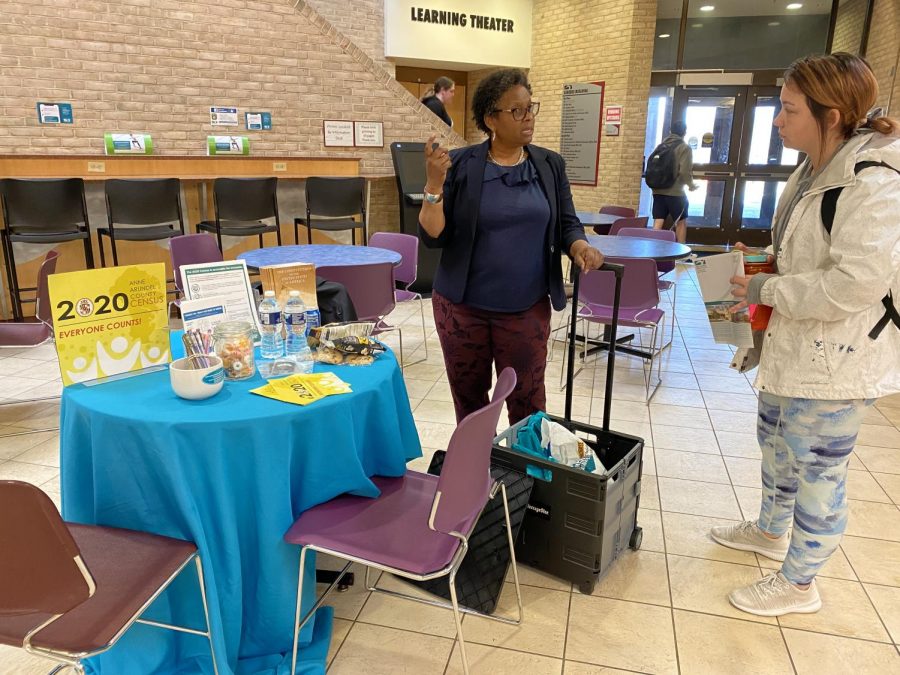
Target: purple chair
[(662, 268), (419, 526), (622, 223), (371, 288), (620, 211), (32, 334), (190, 249), (405, 273), (638, 307)]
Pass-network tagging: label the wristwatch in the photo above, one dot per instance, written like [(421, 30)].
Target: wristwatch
[(432, 199)]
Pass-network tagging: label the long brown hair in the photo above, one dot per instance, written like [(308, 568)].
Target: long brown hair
[(842, 82)]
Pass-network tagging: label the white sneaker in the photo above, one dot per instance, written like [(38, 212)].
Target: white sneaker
[(773, 595), (747, 536)]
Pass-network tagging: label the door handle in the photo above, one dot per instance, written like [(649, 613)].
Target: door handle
[(727, 174)]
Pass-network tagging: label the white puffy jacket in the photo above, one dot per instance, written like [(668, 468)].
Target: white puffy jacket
[(827, 295)]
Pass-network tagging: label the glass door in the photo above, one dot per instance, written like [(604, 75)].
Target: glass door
[(740, 163)]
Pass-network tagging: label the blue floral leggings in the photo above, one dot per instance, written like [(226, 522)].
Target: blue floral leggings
[(806, 446)]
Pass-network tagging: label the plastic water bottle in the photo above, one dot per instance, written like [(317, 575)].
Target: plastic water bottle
[(296, 345), (272, 344), (312, 319)]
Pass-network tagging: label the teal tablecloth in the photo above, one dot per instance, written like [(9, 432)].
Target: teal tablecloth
[(230, 473)]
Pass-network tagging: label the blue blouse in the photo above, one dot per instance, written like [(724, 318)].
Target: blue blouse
[(508, 272)]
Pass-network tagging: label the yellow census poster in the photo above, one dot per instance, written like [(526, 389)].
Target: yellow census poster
[(109, 321)]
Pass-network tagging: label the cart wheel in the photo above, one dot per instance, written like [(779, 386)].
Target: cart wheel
[(636, 537), (586, 587)]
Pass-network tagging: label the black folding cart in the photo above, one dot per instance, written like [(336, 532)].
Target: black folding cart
[(577, 523)]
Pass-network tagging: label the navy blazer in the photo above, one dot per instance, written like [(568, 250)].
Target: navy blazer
[(462, 200)]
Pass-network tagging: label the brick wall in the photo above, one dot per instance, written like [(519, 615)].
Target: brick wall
[(177, 58), (848, 27), (590, 40), (362, 21), (883, 52)]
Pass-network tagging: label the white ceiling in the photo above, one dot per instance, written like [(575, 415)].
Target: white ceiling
[(671, 9)]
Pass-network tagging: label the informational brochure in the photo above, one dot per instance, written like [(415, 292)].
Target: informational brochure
[(303, 388), (203, 313), (226, 280), (128, 144), (223, 117), (258, 121), (714, 275), (55, 113)]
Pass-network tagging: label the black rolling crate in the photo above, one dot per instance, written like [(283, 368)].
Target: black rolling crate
[(578, 523), (483, 570)]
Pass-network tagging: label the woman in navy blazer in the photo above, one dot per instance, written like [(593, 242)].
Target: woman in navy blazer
[(502, 213)]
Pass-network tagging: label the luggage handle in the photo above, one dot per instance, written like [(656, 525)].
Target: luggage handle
[(619, 271)]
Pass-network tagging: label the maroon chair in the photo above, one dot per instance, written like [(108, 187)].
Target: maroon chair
[(69, 592), (610, 210), (662, 268), (371, 288), (622, 223), (38, 332), (405, 273), (419, 526)]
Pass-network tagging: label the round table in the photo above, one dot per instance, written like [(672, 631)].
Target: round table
[(590, 218), (230, 473), (638, 247), (320, 255)]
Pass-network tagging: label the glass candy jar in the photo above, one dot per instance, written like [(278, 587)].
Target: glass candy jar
[(233, 341)]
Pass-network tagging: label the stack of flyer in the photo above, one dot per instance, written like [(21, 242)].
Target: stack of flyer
[(304, 388), (714, 275)]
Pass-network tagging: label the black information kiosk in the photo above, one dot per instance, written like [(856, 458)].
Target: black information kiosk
[(409, 166)]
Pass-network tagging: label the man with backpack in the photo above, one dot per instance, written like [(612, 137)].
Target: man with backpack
[(668, 172)]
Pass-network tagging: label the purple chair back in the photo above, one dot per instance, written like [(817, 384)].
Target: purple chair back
[(623, 211), (465, 481), (407, 246), (371, 287), (639, 285), (190, 249), (649, 233), (622, 223)]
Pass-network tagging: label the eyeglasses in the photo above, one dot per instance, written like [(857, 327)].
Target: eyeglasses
[(518, 114)]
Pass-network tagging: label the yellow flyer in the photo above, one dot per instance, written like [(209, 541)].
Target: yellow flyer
[(109, 321), (304, 388)]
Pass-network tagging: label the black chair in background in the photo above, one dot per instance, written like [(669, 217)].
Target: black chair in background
[(241, 206), (41, 212), (331, 204), (154, 204)]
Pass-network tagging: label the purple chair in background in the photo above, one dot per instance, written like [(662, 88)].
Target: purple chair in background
[(190, 249), (611, 210), (371, 288), (622, 223), (662, 268), (34, 333), (419, 527), (407, 246), (638, 308)]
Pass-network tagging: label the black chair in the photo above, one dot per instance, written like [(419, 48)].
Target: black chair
[(41, 212), (155, 204), (331, 204), (241, 204)]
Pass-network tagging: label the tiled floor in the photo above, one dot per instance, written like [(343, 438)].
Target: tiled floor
[(662, 609)]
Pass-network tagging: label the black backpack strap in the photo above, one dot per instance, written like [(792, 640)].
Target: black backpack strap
[(891, 315), (829, 199)]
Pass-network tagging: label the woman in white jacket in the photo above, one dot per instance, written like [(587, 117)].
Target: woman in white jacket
[(832, 345)]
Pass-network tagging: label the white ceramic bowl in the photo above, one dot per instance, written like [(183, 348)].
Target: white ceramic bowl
[(196, 384)]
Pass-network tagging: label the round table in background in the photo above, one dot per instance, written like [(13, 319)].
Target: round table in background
[(638, 247), (320, 255), (591, 218)]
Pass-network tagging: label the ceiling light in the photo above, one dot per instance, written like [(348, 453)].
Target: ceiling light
[(774, 23), (664, 35), (795, 5), (696, 25), (707, 8)]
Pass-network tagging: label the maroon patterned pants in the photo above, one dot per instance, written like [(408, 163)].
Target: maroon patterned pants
[(472, 339)]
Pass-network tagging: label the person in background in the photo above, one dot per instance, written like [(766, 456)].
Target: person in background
[(437, 102), (671, 201), (832, 345), (502, 213)]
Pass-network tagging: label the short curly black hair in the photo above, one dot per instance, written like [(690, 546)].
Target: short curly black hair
[(491, 89)]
